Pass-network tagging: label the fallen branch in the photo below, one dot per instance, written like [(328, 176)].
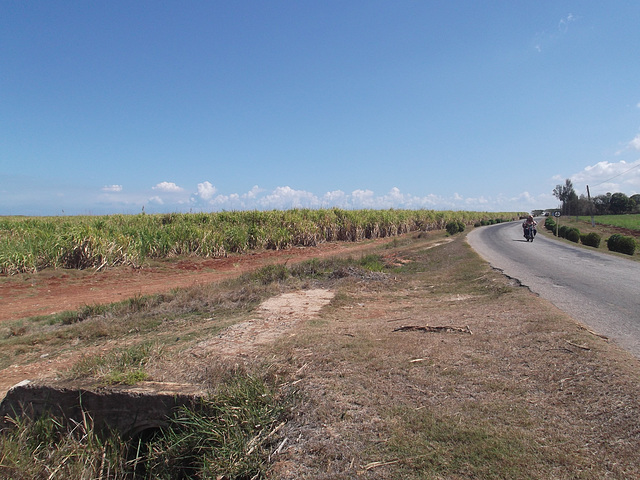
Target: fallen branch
[(372, 465), (578, 346), (596, 333), (437, 329)]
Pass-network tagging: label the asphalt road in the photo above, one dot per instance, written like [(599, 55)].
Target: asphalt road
[(598, 290)]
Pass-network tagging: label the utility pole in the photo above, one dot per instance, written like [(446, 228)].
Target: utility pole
[(593, 220)]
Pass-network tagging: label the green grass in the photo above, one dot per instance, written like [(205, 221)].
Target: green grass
[(227, 436), (631, 222), (124, 366)]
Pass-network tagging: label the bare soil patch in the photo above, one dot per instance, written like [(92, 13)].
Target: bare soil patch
[(53, 291), (274, 317)]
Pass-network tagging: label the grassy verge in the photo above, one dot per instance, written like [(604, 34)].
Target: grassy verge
[(605, 227), (630, 222)]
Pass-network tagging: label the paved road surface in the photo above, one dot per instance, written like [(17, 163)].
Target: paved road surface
[(599, 290)]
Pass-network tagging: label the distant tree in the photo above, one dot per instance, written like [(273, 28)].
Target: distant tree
[(567, 195), (620, 203), (584, 206), (601, 202), (636, 203)]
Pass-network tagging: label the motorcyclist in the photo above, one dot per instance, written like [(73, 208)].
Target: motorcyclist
[(530, 222)]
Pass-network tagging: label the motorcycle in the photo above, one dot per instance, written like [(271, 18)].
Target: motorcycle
[(529, 232)]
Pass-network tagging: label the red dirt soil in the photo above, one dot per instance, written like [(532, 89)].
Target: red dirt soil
[(56, 291)]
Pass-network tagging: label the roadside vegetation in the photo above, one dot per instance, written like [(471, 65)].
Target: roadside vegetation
[(502, 386), (227, 436), (614, 233), (608, 204), (30, 244), (630, 221)]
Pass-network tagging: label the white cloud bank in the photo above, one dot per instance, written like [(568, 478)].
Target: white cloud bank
[(207, 198), (167, 197), (611, 177)]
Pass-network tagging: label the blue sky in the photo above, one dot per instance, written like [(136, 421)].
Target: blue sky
[(109, 107)]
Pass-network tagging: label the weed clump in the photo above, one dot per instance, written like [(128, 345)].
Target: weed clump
[(126, 366), (227, 437)]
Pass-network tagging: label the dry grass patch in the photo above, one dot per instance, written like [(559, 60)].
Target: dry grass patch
[(530, 394)]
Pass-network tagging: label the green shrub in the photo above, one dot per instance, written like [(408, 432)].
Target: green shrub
[(613, 241), (572, 234), (562, 231), (628, 245), (620, 243), (455, 227), (591, 239), (549, 224)]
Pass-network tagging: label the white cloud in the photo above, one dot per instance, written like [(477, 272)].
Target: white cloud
[(112, 188), (563, 25), (206, 190), (635, 143), (287, 197), (168, 187), (336, 198), (254, 192), (363, 199), (606, 177), (543, 39), (206, 197)]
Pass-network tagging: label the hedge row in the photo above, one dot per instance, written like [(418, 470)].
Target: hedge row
[(615, 243)]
